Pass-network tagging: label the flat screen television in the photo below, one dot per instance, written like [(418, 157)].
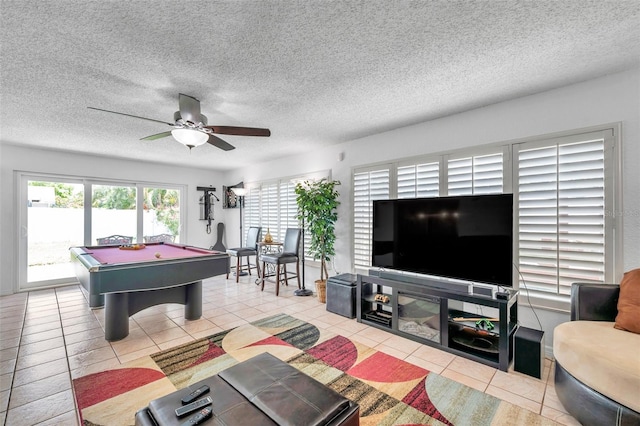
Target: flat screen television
[(468, 238)]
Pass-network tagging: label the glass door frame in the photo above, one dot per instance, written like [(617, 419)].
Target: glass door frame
[(89, 238), (22, 228)]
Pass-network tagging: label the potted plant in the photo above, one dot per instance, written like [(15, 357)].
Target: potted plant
[(317, 209)]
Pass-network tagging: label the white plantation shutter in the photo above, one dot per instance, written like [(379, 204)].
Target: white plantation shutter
[(562, 204), (273, 206), (460, 176), (419, 180), (288, 208), (488, 174), (251, 211), (269, 217), (367, 187), (289, 211), (477, 175)]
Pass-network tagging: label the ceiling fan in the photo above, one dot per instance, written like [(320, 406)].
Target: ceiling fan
[(190, 126)]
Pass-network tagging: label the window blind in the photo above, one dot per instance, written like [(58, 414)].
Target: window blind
[(289, 212), (288, 207), (269, 216), (419, 180), (477, 175), (251, 211), (561, 215), (367, 187), (273, 206)]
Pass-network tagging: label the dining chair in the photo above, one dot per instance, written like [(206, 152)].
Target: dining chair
[(249, 249), (289, 254)]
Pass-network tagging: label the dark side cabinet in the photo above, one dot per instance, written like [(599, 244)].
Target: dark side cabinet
[(341, 295)]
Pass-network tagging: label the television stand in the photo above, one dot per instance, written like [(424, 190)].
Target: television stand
[(446, 319)]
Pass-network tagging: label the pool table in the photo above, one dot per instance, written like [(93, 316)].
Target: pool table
[(126, 280)]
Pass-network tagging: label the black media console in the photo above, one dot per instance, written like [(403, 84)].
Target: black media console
[(442, 316)]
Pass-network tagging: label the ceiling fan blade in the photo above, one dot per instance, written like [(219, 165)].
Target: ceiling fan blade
[(240, 131), (189, 108), (217, 142), (157, 136), (129, 115)]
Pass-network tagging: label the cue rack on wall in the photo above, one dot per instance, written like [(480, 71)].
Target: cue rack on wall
[(206, 204)]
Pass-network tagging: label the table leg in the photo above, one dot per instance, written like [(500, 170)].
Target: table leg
[(116, 316), (120, 306), (193, 301)]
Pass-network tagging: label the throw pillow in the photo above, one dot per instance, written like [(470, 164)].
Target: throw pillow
[(628, 317)]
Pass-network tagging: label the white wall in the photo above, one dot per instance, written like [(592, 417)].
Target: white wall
[(14, 159), (610, 99)]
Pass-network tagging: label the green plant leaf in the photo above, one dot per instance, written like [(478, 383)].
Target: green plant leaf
[(317, 208)]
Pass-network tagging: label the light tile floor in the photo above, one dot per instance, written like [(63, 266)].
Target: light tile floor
[(49, 337)]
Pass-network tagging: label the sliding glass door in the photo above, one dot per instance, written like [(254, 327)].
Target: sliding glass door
[(161, 217), (56, 213), (54, 221), (113, 213)]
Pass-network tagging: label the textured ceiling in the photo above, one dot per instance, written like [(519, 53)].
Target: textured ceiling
[(314, 72)]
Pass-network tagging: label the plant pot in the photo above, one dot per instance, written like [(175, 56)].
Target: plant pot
[(321, 289)]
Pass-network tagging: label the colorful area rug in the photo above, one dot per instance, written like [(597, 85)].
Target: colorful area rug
[(389, 391)]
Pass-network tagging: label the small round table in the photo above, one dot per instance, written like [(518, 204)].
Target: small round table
[(268, 248)]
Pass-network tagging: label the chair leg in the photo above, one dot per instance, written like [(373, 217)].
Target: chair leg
[(238, 264), (258, 266), (286, 278), (262, 286), (277, 279), (248, 266), (298, 272)]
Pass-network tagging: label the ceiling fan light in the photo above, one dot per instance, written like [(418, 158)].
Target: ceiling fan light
[(189, 137)]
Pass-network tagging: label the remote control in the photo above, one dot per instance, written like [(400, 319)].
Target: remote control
[(196, 405), (187, 399), (203, 415)]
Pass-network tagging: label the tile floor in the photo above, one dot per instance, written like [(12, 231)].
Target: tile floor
[(49, 337)]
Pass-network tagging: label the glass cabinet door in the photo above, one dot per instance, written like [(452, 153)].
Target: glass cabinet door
[(419, 316)]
